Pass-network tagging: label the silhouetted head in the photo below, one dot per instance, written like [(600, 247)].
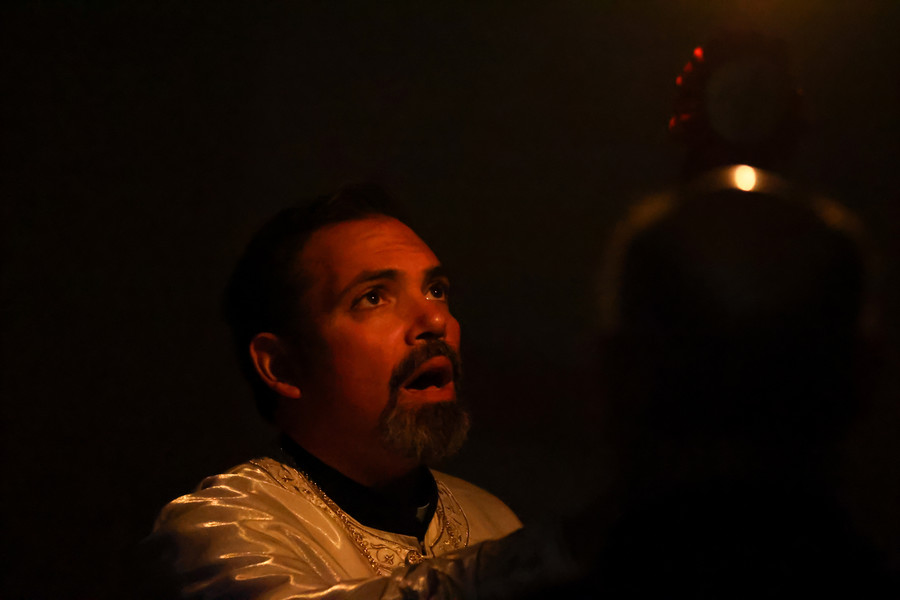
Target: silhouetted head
[(733, 318)]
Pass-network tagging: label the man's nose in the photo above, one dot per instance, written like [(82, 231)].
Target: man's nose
[(428, 321)]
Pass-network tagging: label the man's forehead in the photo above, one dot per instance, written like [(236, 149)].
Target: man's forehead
[(338, 253)]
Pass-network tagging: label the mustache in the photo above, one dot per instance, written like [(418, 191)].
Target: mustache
[(418, 356)]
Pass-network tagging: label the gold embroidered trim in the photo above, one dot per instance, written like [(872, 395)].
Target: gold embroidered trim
[(382, 554)]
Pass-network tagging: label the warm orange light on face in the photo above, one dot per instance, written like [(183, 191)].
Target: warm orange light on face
[(744, 177), (370, 301)]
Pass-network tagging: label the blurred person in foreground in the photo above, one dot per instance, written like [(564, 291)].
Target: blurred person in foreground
[(739, 328), (738, 344), (736, 356)]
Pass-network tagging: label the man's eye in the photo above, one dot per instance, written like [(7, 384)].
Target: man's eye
[(438, 290), (370, 298)]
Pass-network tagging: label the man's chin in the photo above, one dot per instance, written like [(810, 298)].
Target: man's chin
[(425, 432)]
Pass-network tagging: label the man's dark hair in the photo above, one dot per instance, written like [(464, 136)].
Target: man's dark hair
[(263, 292)]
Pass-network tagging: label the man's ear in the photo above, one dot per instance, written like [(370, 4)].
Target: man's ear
[(271, 357)]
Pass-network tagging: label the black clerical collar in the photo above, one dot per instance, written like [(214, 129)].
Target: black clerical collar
[(408, 515)]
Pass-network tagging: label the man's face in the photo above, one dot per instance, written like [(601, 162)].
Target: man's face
[(384, 347)]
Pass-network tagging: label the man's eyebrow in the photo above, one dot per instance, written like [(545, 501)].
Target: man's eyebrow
[(367, 276), (436, 272)]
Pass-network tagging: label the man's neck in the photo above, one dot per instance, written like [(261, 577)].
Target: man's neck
[(405, 505), (367, 463)]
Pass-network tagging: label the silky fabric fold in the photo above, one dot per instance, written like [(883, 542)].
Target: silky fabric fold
[(265, 530)]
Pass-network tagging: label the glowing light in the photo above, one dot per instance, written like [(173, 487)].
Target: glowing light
[(678, 80), (688, 67), (672, 123), (744, 177), (698, 53)]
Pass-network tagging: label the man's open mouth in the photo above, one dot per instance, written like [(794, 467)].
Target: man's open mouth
[(435, 372), (432, 381)]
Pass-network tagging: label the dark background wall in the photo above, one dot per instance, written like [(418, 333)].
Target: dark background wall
[(145, 143)]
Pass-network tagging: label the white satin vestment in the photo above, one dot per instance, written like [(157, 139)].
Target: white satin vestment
[(263, 530)]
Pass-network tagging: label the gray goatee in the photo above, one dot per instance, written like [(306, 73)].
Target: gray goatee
[(427, 433)]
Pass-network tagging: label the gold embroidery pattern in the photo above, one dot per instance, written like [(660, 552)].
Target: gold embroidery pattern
[(382, 554), (454, 524)]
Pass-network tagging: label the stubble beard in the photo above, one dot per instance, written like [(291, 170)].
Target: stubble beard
[(426, 433)]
